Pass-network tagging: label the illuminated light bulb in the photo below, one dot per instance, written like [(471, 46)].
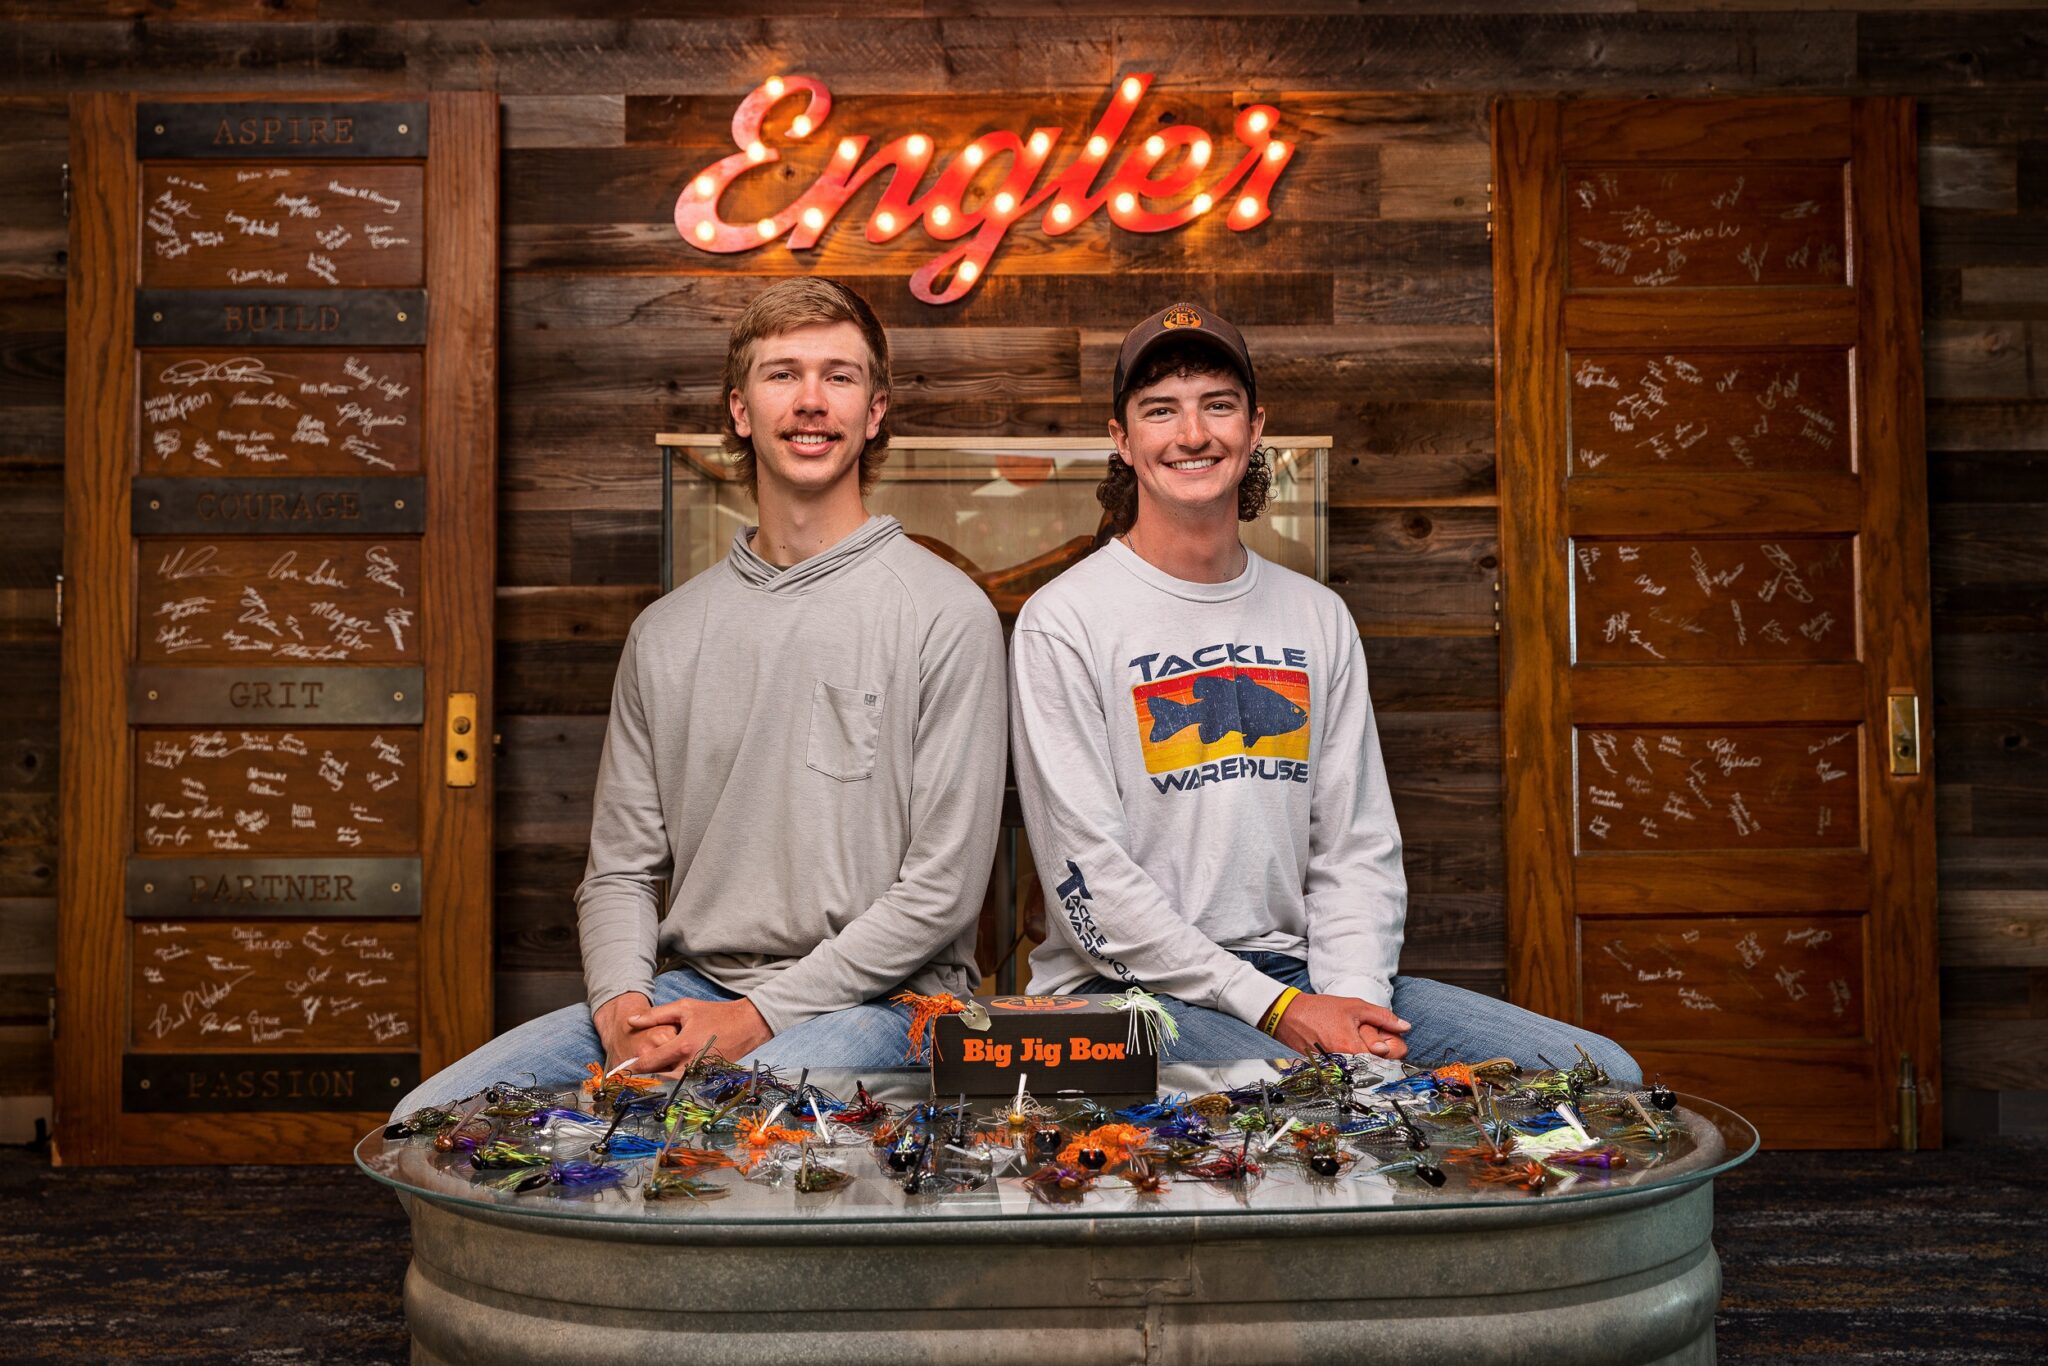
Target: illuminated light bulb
[(703, 186), (941, 215), (1155, 146), (1062, 214), (848, 149), (705, 232), (1247, 206), (814, 218), (918, 144), (973, 155), (766, 227), (1039, 142), (1005, 202), (1126, 201), (886, 222), (1258, 122), (1203, 203), (1199, 152), (800, 126), (968, 270), (756, 152), (1133, 87), (775, 87), (1275, 150), (1098, 146)]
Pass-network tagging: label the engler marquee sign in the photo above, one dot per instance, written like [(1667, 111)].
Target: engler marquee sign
[(1169, 180)]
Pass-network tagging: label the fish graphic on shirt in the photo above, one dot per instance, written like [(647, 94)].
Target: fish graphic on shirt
[(1224, 704), (1187, 720)]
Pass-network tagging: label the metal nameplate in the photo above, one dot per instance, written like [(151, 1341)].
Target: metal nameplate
[(165, 695), (267, 130), (266, 507), (241, 889), (223, 1083), (280, 317)]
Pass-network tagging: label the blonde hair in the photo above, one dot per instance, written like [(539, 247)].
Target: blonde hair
[(784, 307)]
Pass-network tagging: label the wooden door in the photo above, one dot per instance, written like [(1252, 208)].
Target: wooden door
[(1714, 534), (274, 881)]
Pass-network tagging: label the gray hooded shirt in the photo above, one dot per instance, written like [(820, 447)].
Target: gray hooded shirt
[(812, 760)]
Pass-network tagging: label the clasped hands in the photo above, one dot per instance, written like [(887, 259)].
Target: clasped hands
[(663, 1039), (1342, 1024)]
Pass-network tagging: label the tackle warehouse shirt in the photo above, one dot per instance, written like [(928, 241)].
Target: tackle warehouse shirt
[(1200, 773)]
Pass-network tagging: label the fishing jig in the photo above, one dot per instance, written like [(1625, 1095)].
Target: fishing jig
[(669, 1185), (924, 1016), (1148, 1020)]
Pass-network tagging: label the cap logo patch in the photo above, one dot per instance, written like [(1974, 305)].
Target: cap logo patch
[(1182, 316)]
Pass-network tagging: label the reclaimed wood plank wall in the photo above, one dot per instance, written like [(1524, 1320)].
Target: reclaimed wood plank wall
[(1367, 300)]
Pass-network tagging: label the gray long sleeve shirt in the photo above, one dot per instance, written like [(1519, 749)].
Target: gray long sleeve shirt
[(812, 758), (1200, 773)]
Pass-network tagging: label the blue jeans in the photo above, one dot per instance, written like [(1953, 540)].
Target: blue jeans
[(555, 1049), (1449, 1024)]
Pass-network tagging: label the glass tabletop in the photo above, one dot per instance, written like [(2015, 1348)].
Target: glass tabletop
[(840, 1174)]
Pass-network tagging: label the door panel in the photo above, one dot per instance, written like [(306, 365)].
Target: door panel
[(275, 906), (1714, 537)]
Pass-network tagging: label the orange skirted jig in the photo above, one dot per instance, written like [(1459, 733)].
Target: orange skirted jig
[(755, 1134), (1116, 1143), (1528, 1176), (603, 1084), (1469, 1076), (693, 1159), (924, 1013)]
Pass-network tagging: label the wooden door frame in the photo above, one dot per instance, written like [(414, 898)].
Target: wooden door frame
[(1898, 649), (95, 776), (459, 457), (1535, 722)]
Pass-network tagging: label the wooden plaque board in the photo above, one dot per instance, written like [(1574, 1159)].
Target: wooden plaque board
[(1714, 545), (279, 547)]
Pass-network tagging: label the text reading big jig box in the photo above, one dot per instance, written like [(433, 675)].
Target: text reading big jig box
[(1057, 1043)]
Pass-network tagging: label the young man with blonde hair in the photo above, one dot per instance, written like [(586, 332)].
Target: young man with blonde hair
[(805, 750), (1197, 760)]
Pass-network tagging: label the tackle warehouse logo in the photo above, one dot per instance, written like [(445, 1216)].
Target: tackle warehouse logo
[(1075, 902), (1203, 719)]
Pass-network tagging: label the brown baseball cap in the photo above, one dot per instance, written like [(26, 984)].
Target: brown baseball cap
[(1182, 321)]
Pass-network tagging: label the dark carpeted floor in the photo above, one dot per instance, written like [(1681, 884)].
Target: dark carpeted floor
[(1932, 1257), (1826, 1256)]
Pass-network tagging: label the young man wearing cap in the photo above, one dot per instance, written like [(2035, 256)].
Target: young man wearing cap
[(1197, 760), (805, 750)]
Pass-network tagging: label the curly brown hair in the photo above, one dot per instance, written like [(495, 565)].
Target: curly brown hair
[(1118, 491), (784, 307)]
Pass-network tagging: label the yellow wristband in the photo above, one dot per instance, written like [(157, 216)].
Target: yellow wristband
[(1270, 1022)]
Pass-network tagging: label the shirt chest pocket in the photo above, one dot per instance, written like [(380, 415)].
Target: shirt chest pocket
[(846, 727)]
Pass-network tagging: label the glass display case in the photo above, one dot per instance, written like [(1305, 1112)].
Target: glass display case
[(1011, 512), (986, 1182)]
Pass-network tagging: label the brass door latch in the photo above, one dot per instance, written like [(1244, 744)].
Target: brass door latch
[(462, 739), (1905, 734)]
